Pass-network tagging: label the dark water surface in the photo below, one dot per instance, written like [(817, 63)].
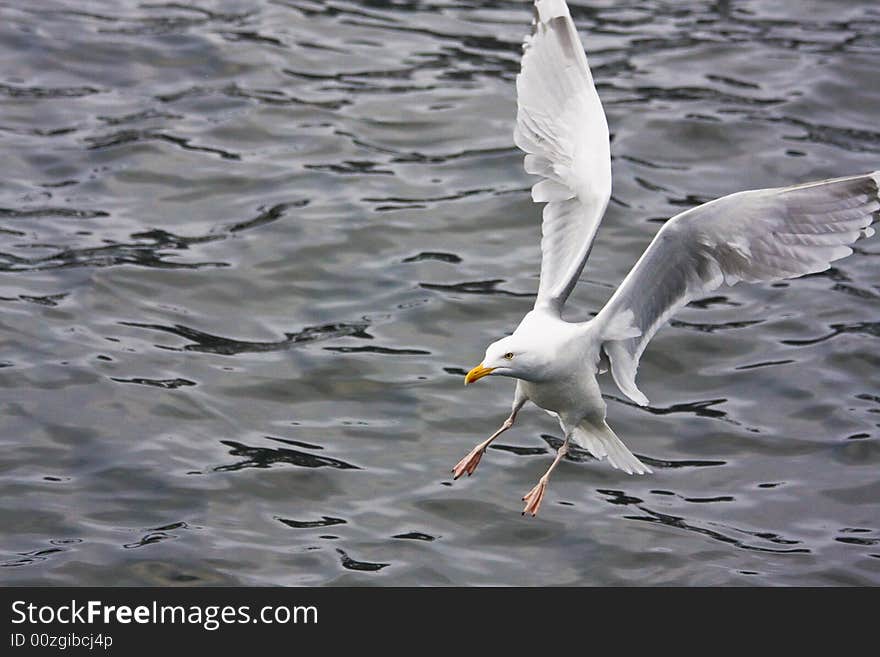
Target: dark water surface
[(248, 250)]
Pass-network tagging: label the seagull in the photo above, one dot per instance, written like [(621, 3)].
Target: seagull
[(754, 236)]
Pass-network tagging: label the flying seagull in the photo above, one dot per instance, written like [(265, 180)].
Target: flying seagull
[(752, 236)]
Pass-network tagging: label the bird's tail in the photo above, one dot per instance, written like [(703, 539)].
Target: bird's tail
[(602, 443)]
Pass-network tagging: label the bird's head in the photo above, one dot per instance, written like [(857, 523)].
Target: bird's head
[(510, 356)]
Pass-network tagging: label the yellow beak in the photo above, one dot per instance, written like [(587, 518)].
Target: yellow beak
[(478, 373)]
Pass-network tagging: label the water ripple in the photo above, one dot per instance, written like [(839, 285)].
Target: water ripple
[(476, 287), (325, 521), (713, 530), (131, 136), (364, 566), (266, 457), (215, 344)]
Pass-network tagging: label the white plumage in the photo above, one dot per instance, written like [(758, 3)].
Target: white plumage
[(752, 236), (561, 126)]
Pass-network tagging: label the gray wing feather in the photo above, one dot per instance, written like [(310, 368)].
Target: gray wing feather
[(754, 236)]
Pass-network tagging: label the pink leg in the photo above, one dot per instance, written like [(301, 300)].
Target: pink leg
[(470, 462), (535, 496)]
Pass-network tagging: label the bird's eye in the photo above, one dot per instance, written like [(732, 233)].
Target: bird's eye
[(508, 355)]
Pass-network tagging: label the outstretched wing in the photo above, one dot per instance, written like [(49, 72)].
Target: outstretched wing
[(562, 128), (760, 235)]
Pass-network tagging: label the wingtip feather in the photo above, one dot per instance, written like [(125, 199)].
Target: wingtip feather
[(550, 9)]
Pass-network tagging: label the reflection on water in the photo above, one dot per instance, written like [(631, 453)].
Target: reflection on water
[(249, 249)]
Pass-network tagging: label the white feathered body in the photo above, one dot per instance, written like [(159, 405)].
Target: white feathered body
[(562, 380), (572, 393)]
